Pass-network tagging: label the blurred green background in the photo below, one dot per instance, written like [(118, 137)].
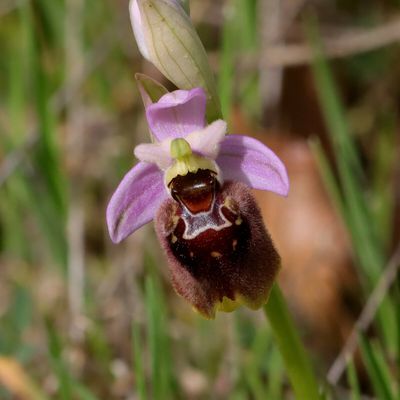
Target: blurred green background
[(81, 318)]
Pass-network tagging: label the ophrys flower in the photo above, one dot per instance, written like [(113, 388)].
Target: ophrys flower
[(194, 180)]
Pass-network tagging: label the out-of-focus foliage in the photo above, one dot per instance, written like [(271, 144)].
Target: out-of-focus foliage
[(81, 318)]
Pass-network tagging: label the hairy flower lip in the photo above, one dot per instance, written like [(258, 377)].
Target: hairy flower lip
[(221, 284), (240, 158)]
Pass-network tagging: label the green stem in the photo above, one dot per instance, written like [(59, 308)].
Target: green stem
[(297, 363)]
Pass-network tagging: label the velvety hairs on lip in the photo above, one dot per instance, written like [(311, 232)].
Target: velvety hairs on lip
[(218, 251), (220, 269)]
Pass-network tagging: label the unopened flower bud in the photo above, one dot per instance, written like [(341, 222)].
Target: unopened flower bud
[(166, 37)]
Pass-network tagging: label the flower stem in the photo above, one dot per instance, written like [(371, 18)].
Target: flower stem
[(297, 363)]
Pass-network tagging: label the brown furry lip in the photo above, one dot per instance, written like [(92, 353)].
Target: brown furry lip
[(229, 258)]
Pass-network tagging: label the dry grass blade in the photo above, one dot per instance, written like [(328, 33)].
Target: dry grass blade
[(75, 68), (17, 382), (366, 317), (343, 45)]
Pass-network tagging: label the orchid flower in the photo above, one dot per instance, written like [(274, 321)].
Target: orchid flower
[(195, 181)]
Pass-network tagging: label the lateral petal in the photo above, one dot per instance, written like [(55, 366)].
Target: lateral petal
[(247, 160), (207, 141)]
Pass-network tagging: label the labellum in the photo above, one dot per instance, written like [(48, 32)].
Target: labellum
[(216, 244)]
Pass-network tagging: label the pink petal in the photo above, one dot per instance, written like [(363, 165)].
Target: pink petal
[(247, 160), (177, 114), (135, 201), (207, 141), (156, 153)]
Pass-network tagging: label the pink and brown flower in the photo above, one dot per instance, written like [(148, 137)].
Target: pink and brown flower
[(195, 181)]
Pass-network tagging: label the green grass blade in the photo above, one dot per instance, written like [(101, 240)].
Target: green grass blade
[(46, 156), (55, 350), (138, 359), (162, 382), (377, 369), (382, 190), (368, 246), (153, 311), (13, 238), (353, 381), (328, 178), (275, 374), (82, 392), (226, 69), (297, 363)]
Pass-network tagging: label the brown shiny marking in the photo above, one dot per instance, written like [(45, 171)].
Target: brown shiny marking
[(195, 190), (247, 270), (198, 254)]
